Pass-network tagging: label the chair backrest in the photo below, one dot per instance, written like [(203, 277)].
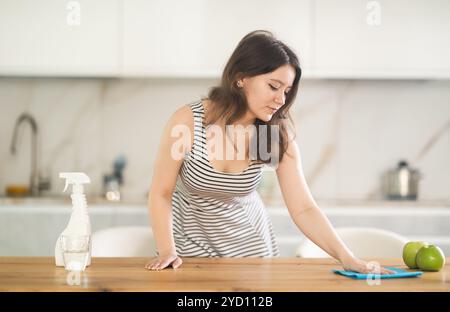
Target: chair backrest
[(362, 241), (126, 241)]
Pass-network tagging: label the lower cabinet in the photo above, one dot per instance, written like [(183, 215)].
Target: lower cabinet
[(32, 230)]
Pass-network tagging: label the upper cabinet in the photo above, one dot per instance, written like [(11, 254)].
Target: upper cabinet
[(405, 39), (382, 39), (57, 37), (196, 37)]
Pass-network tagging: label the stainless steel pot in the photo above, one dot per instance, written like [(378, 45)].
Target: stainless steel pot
[(401, 183)]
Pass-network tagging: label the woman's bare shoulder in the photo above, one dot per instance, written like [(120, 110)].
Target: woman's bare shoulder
[(183, 115)]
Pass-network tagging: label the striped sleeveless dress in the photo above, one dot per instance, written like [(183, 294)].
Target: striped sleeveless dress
[(217, 214)]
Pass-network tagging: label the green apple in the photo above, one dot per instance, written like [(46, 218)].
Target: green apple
[(430, 258), (410, 251)]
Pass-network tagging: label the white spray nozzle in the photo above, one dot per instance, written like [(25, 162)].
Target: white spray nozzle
[(75, 178)]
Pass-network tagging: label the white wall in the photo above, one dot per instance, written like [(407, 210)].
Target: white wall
[(349, 131)]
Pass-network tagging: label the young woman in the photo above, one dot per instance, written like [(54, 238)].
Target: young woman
[(203, 206)]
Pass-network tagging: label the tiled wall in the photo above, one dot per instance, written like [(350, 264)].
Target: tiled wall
[(349, 131)]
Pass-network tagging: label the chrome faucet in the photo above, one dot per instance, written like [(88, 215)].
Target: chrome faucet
[(34, 176)]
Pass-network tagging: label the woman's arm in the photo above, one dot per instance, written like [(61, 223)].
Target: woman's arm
[(165, 172), (307, 215)]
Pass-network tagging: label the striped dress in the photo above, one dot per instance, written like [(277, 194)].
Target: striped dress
[(217, 214)]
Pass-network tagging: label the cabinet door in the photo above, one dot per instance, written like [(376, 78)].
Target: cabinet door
[(56, 37), (196, 37), (384, 38)]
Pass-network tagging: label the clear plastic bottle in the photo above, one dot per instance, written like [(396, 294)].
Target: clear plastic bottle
[(79, 223)]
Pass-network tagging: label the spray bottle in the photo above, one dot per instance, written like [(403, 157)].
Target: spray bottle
[(79, 223)]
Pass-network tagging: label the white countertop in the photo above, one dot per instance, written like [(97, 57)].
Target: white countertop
[(329, 207), (271, 203)]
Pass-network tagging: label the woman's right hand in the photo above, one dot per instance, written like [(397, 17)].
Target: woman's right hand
[(163, 261)]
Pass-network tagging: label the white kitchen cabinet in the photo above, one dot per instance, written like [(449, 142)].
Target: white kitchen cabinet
[(196, 37), (382, 39), (56, 37), (176, 38)]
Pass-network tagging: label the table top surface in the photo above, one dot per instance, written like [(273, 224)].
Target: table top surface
[(207, 274)]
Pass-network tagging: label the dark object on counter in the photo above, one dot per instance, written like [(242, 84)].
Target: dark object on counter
[(401, 183), (119, 165), (112, 182)]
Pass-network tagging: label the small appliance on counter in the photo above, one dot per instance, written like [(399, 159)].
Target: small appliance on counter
[(401, 183), (112, 182)]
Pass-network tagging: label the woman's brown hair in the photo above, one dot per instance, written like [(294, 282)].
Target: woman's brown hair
[(259, 52)]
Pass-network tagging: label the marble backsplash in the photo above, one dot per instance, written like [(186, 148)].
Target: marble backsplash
[(349, 131)]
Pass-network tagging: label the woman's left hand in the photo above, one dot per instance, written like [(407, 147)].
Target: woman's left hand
[(361, 266)]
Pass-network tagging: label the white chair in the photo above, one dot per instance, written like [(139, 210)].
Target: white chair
[(362, 241), (125, 241)]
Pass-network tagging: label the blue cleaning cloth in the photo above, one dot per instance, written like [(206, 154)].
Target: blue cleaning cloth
[(400, 273)]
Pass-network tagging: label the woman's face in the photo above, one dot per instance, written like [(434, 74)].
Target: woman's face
[(267, 93)]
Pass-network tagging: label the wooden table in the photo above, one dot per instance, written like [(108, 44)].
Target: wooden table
[(206, 274)]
